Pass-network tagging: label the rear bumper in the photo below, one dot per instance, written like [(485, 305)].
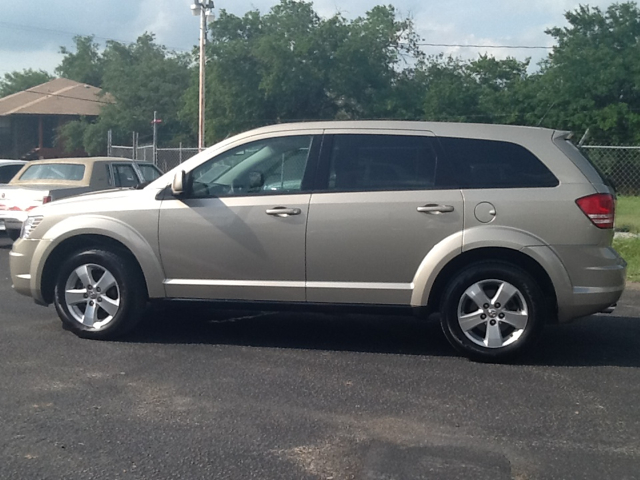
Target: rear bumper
[(10, 220), (598, 276)]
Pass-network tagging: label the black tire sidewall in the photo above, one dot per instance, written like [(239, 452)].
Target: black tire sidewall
[(517, 277), (131, 298)]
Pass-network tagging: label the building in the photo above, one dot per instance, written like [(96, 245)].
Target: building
[(29, 120)]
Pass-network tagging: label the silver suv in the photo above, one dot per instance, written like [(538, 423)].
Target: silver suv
[(500, 229)]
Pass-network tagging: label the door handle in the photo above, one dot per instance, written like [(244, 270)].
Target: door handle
[(435, 209), (283, 211)]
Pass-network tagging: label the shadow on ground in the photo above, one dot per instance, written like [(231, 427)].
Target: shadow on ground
[(593, 341)]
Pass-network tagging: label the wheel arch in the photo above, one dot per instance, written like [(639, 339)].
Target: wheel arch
[(500, 255), (60, 253)]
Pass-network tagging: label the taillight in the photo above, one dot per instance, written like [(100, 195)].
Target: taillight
[(600, 208), (46, 199)]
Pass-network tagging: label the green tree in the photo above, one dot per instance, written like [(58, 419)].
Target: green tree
[(139, 78), (14, 82), (484, 90), (85, 65), (290, 64), (592, 77)]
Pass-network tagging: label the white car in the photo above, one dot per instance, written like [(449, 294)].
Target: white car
[(8, 169)]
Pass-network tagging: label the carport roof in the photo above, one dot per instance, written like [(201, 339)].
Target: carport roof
[(59, 96)]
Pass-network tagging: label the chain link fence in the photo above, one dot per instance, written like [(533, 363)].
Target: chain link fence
[(621, 165), (167, 158)]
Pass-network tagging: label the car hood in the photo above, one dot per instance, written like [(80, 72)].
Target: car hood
[(98, 202)]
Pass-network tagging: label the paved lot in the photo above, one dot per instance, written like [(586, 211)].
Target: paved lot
[(199, 394)]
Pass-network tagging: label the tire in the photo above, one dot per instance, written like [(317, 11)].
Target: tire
[(99, 294), (492, 311), (13, 234)]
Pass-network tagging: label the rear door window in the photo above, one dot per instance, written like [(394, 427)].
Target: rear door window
[(124, 176), (475, 163), (149, 172), (361, 162)]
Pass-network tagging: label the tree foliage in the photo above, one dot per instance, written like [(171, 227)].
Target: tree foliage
[(140, 78), (15, 82), (290, 64)]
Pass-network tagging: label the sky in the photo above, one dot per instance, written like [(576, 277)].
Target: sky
[(31, 33)]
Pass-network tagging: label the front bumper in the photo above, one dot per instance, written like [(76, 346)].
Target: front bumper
[(24, 273)]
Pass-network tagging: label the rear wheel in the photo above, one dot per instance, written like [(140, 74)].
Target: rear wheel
[(492, 311), (99, 295)]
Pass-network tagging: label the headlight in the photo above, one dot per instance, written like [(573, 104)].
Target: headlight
[(30, 225)]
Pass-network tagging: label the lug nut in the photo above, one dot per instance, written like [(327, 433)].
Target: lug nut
[(91, 303), (501, 315), (497, 304), (492, 322), (98, 289), (86, 296), (89, 287), (486, 305), (483, 316), (99, 299)]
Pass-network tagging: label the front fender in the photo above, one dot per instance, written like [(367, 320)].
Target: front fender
[(104, 226)]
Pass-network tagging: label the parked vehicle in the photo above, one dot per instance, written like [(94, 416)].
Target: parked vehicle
[(500, 229), (8, 169), (43, 181)]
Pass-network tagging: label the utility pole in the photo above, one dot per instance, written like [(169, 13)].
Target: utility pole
[(204, 8), (155, 123)]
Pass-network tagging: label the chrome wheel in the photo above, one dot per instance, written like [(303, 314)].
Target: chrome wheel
[(492, 313), (92, 296)]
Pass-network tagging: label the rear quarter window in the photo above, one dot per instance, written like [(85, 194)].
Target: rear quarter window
[(475, 163)]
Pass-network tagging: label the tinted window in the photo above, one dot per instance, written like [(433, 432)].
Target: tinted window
[(274, 165), (472, 163), (7, 172), (381, 162), (125, 176), (54, 171)]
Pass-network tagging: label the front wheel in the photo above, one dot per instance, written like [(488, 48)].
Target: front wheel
[(98, 294), (492, 311)]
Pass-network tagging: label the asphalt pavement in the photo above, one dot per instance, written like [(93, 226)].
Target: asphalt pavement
[(204, 394)]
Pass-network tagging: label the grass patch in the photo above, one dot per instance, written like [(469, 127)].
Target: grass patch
[(628, 214), (629, 248)]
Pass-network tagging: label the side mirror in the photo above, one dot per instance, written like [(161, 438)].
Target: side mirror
[(179, 183), (256, 181)]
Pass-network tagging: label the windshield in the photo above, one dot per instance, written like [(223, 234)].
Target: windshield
[(54, 171)]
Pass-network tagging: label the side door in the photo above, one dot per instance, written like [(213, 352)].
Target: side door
[(376, 216), (239, 232)]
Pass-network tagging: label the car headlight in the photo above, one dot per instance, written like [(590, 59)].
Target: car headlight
[(30, 225)]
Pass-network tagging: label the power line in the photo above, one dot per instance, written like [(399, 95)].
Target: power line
[(72, 34), (422, 44), (531, 47)]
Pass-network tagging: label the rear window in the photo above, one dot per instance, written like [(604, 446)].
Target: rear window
[(473, 163), (54, 171)]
